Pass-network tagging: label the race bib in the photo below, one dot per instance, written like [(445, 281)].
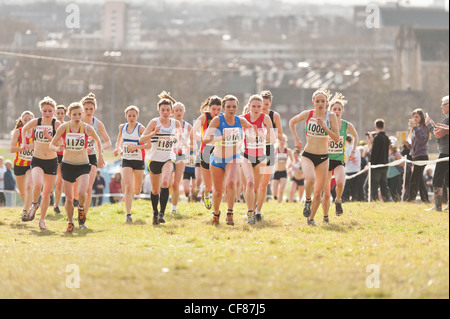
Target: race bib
[(336, 148), (91, 142), (281, 157), (256, 142), (314, 129), (232, 136), (26, 155), (75, 142), (190, 161), (166, 143), (39, 133), (134, 155)]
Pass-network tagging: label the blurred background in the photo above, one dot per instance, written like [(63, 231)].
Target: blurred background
[(386, 57)]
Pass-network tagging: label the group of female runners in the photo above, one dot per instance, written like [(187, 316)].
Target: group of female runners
[(227, 151)]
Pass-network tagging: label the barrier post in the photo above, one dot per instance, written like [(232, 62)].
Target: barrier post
[(369, 195)]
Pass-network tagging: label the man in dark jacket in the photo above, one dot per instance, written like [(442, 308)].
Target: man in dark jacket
[(379, 155), (10, 185)]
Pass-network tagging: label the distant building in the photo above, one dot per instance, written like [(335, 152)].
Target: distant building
[(421, 57), (121, 25)]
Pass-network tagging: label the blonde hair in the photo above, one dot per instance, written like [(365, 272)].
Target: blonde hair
[(322, 91), (229, 97), (47, 101), (74, 106), (338, 98), (19, 121), (254, 97), (90, 98), (180, 105), (132, 108)]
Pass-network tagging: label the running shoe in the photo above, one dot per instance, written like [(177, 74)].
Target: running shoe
[(161, 219), (56, 209), (129, 219), (81, 216), (307, 209), (339, 210), (24, 215), (230, 220), (83, 226), (70, 228), (326, 219), (32, 212), (215, 219), (311, 222), (208, 203), (258, 217), (251, 219), (155, 219), (42, 224)]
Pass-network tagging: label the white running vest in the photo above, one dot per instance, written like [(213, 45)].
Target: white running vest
[(129, 139), (91, 141), (163, 143)]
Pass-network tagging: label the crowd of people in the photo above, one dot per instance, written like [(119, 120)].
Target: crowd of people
[(226, 155)]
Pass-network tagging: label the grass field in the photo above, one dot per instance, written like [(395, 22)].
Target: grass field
[(398, 247)]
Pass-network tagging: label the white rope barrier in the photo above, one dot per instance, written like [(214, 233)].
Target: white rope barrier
[(368, 169)]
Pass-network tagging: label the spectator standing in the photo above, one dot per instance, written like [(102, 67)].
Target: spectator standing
[(406, 152), (2, 173), (419, 136), (98, 188), (429, 179), (395, 174), (115, 188), (440, 131), (352, 167), (379, 155), (9, 185)]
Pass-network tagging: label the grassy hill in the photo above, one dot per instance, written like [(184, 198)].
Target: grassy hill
[(398, 247)]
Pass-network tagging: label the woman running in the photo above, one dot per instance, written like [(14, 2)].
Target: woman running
[(75, 164), (297, 178), (254, 160), (337, 157), (44, 163), (89, 107), (133, 157), (227, 131), (22, 161), (210, 108), (184, 148), (270, 151), (279, 179), (163, 132), (320, 124), (60, 113)]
